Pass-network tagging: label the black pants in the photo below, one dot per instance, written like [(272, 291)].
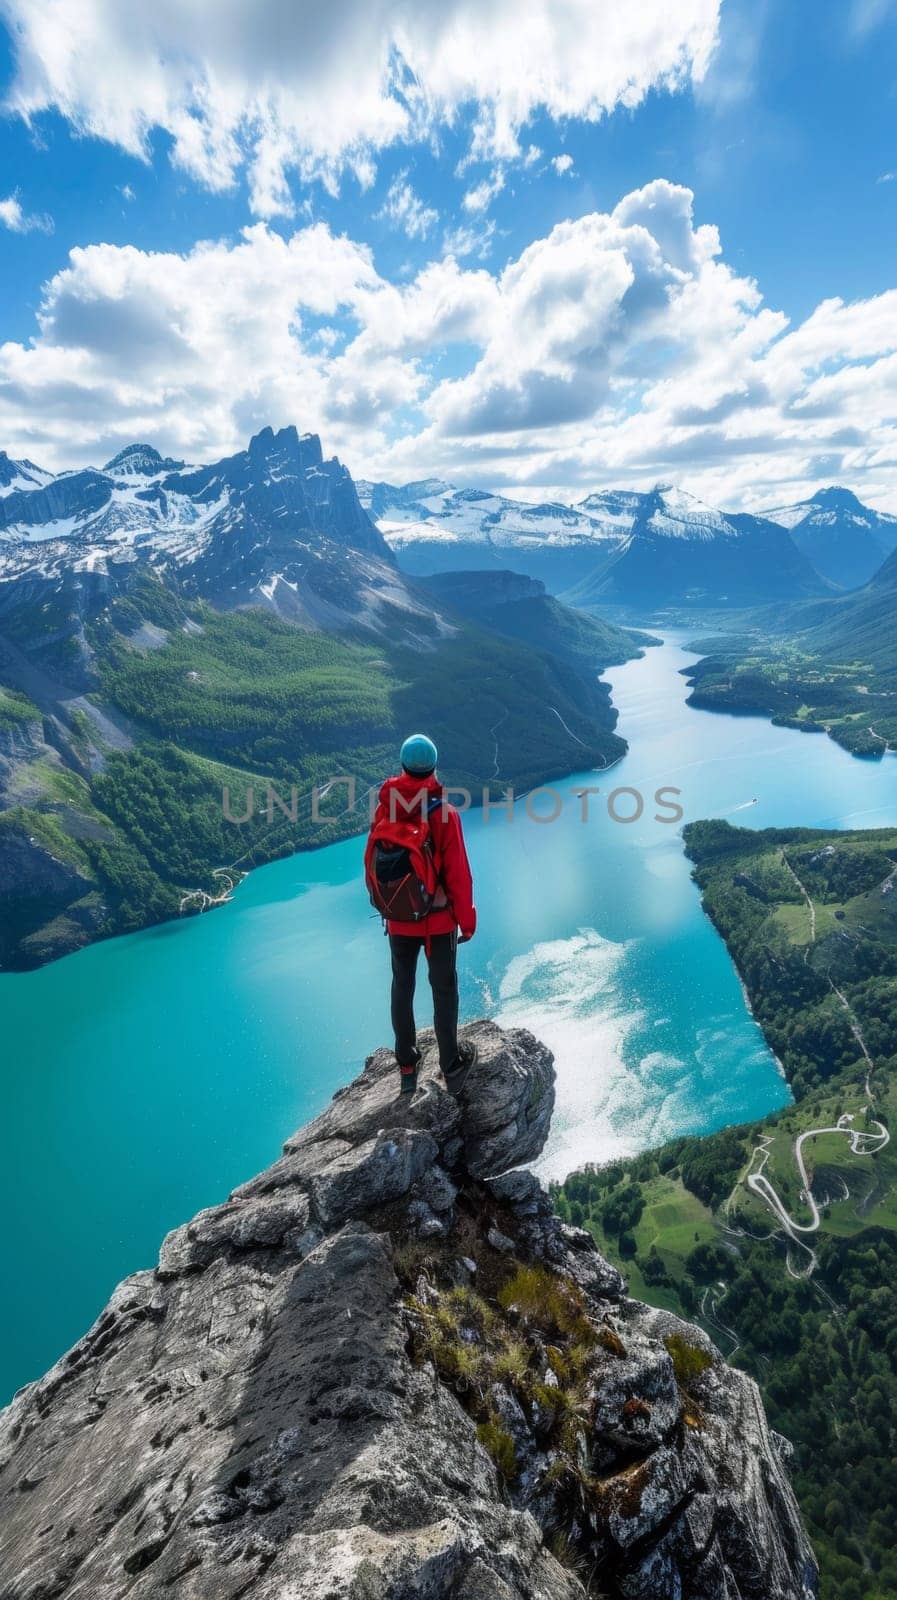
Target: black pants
[(443, 974)]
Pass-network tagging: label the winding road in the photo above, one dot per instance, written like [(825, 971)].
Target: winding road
[(861, 1144), (494, 734), (717, 1293), (566, 727)]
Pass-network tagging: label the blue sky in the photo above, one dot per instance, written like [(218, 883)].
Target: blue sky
[(530, 340)]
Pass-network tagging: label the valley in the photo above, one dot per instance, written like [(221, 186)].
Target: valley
[(152, 1071), (487, 409)]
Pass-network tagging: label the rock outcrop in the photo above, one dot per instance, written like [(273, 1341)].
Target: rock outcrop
[(385, 1370)]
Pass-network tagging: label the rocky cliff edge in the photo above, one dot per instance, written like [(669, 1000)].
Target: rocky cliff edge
[(384, 1370)]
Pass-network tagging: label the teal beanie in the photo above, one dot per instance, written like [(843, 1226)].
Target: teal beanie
[(418, 755)]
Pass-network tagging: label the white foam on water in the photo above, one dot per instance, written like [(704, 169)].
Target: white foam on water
[(568, 992)]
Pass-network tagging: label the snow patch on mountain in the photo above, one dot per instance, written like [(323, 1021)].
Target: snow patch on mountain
[(434, 512), (674, 514)]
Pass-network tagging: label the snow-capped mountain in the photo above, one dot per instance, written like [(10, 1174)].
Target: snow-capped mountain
[(682, 552), (410, 503), (433, 526), (277, 525), (20, 475), (673, 514), (845, 540), (274, 525), (622, 545)]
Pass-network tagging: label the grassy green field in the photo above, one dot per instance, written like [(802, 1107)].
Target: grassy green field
[(672, 1223)]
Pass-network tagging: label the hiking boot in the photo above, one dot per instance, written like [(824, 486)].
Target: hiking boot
[(458, 1073), (408, 1076)]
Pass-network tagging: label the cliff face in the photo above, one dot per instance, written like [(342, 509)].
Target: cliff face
[(384, 1369)]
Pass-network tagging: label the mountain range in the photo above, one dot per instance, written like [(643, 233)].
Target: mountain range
[(274, 526), (229, 531), (682, 553), (431, 526), (845, 540), (647, 550)]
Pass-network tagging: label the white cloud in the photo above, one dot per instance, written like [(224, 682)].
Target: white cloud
[(11, 214), (562, 164), (13, 217), (445, 304), (482, 194), (196, 349), (887, 177), (277, 87), (405, 209), (618, 348), (474, 240), (126, 192), (578, 309), (621, 348)]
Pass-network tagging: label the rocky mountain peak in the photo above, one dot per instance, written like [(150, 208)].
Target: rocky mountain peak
[(286, 450), (275, 525), (141, 461), (383, 1369), (835, 498)]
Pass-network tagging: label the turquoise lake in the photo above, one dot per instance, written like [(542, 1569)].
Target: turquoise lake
[(144, 1077)]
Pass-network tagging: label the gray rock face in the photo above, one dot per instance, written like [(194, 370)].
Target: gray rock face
[(253, 1418), (508, 1100)]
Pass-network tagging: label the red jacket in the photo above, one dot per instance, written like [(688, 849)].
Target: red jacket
[(451, 856)]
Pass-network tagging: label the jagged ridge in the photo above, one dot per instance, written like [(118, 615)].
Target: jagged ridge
[(255, 1417)]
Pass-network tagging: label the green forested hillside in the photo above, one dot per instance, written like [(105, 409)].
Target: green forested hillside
[(810, 918), (791, 1269), (827, 666), (518, 607)]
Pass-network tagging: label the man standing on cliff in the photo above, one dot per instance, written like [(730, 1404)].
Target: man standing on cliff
[(418, 877)]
